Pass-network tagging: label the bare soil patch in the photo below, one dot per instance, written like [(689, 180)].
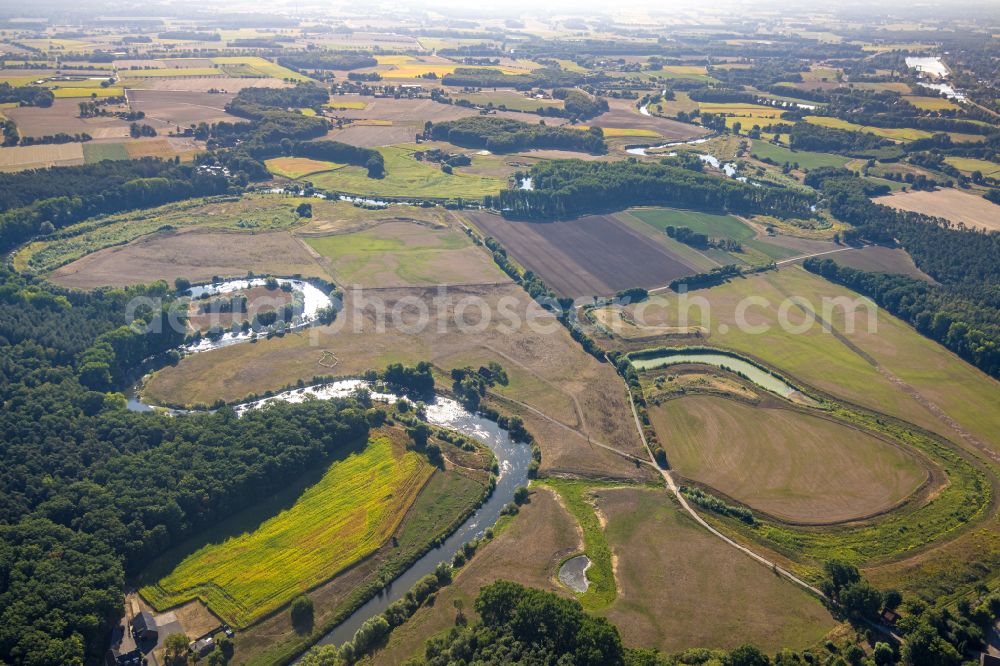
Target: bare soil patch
[(191, 254), (956, 206), (593, 255), (370, 136)]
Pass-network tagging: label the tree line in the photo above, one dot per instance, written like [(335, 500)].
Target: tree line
[(569, 188), (504, 135)]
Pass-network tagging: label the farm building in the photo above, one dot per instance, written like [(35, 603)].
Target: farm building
[(144, 626)]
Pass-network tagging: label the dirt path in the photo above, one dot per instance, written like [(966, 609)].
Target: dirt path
[(672, 486), (815, 254)]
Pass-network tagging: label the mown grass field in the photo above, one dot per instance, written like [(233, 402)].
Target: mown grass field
[(895, 133), (512, 101), (970, 164), (717, 226), (805, 159), (402, 254), (96, 152), (406, 177), (792, 465), (618, 132), (297, 167), (261, 67), (347, 515), (928, 103), (692, 72), (682, 587)]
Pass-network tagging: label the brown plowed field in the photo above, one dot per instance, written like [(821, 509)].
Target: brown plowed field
[(181, 108), (595, 255)]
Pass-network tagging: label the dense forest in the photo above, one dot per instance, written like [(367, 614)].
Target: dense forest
[(568, 188), (548, 77), (90, 490), (26, 95), (345, 60), (503, 135)]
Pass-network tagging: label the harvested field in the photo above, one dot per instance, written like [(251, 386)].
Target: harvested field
[(623, 114), (793, 466), (881, 259), (956, 206), (190, 254), (371, 136), (588, 256), (343, 518), (516, 554), (174, 108), (297, 167), (453, 328), (399, 254), (681, 587), (63, 116), (18, 158), (415, 112), (202, 84), (411, 111), (162, 148)]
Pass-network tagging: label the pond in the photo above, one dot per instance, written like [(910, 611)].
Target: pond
[(573, 573), (752, 372)]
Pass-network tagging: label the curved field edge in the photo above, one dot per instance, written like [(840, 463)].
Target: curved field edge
[(99, 233), (966, 499), (342, 519), (774, 473)]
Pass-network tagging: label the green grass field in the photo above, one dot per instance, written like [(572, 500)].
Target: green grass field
[(406, 177), (717, 226), (260, 66), (95, 152), (346, 516), (804, 158), (396, 254), (969, 165), (894, 133)]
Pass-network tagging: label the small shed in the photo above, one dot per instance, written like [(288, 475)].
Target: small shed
[(202, 647), (987, 659), (144, 626)]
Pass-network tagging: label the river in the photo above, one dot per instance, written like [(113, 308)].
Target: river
[(513, 460)]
